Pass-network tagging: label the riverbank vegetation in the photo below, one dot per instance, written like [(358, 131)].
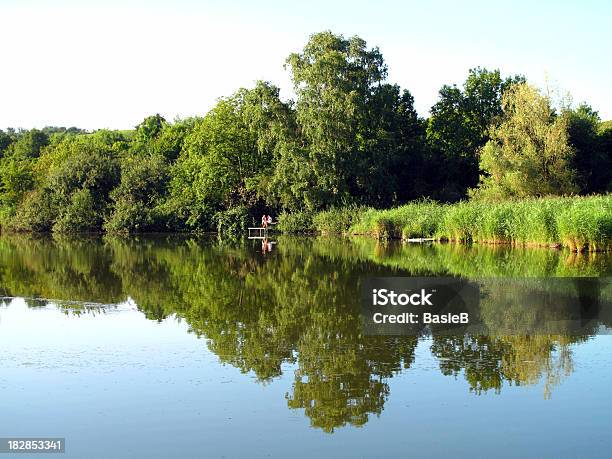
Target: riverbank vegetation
[(349, 142), (260, 313), (578, 223)]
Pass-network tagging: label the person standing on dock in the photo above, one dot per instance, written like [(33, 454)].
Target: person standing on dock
[(264, 221)]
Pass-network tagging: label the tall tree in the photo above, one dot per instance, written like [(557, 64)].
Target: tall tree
[(591, 160), (351, 122), (17, 167), (529, 152), (604, 134), (5, 140), (459, 127)]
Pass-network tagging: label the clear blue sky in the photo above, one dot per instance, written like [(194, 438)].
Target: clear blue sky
[(110, 63)]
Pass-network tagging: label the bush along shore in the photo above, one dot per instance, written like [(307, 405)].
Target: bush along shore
[(576, 223)]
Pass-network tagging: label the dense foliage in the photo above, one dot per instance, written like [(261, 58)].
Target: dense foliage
[(529, 152), (350, 138)]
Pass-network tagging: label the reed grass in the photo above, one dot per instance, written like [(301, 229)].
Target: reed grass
[(338, 220), (578, 223)]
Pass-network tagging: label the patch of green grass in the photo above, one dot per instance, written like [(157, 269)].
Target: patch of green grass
[(578, 223), (586, 224), (338, 220)]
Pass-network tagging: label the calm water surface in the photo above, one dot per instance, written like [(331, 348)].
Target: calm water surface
[(185, 347)]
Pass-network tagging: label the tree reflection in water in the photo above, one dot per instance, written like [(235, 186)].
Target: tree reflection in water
[(300, 305)]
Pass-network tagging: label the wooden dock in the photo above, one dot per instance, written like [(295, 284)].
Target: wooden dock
[(258, 233)]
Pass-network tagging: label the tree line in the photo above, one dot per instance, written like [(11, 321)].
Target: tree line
[(349, 137)]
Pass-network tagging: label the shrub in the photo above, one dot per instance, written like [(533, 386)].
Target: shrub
[(534, 221), (424, 221), (461, 222), (130, 216), (80, 215), (296, 222), (579, 223), (495, 222), (136, 198), (36, 213), (586, 224), (232, 222)]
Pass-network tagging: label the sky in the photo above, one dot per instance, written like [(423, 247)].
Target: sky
[(109, 63)]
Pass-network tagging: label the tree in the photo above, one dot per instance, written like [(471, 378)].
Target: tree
[(529, 152), (224, 158), (273, 124), (75, 176), (30, 144), (604, 135), (398, 171), (356, 132), (136, 200), (459, 127), (169, 141), (334, 79), (591, 161), (5, 140), (17, 167), (17, 176), (150, 127)]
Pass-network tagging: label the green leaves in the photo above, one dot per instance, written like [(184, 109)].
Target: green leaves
[(139, 195), (354, 127), (529, 153), (349, 138), (460, 122), (227, 158), (150, 128), (74, 177)]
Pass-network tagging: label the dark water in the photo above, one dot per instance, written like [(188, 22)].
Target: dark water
[(185, 347)]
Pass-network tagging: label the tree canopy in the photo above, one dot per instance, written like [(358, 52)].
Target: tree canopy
[(349, 137), (529, 153)]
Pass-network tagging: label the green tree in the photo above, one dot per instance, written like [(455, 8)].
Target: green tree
[(220, 165), (136, 200), (80, 213), (529, 152), (169, 141), (29, 144), (17, 167), (399, 172), (273, 124), (5, 141), (150, 127), (459, 127), (591, 161), (348, 118), (604, 135), (75, 175), (17, 178)]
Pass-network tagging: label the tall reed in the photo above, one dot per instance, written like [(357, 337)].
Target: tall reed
[(578, 223)]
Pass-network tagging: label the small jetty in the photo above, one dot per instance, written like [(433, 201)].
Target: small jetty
[(258, 233), (420, 239)]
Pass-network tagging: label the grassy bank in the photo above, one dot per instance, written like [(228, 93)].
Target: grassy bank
[(578, 223)]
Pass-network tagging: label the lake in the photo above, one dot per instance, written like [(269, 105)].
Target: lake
[(178, 346)]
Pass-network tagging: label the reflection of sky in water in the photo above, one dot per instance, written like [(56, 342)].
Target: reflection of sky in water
[(116, 384)]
